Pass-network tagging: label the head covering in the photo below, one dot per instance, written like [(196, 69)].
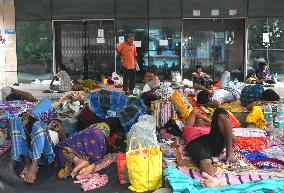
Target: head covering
[(104, 127), (202, 97), (44, 106)]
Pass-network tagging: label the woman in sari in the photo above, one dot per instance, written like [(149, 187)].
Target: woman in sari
[(78, 154)]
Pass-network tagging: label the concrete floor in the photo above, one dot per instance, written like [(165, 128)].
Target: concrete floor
[(37, 90)]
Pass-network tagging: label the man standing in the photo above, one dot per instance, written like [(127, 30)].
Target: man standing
[(129, 62)]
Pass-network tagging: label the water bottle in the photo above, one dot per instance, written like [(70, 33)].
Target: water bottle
[(279, 120), (275, 77), (136, 92), (268, 116), (236, 83)]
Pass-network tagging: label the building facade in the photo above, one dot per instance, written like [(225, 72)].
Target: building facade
[(171, 35)]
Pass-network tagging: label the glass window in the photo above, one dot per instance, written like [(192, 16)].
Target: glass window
[(266, 44), (256, 28), (164, 45), (34, 50), (138, 27), (276, 33), (216, 45), (276, 60), (254, 57)]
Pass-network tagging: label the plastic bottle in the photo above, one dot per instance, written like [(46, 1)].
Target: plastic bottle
[(136, 92), (279, 120), (268, 116)]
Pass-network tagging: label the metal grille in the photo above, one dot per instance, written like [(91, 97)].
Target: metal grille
[(78, 48)]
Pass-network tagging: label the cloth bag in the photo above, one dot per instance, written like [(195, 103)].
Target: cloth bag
[(163, 111), (144, 167)]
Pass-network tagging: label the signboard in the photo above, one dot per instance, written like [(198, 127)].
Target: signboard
[(100, 40), (137, 44), (100, 33), (164, 42)]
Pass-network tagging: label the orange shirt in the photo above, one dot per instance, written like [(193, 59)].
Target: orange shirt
[(128, 55)]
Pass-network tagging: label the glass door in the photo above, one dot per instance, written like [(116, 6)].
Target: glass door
[(216, 45)]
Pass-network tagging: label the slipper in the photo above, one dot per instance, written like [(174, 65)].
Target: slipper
[(46, 91)]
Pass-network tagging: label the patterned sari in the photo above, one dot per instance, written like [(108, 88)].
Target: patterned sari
[(89, 144)]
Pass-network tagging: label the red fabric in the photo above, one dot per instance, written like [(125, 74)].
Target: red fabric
[(122, 169), (252, 143), (190, 133)]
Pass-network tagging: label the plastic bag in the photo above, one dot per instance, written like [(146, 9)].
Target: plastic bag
[(122, 169), (144, 167)]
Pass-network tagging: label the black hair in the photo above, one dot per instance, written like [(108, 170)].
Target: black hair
[(28, 128), (198, 66), (250, 74), (270, 95), (202, 97), (152, 70), (62, 67), (261, 64)]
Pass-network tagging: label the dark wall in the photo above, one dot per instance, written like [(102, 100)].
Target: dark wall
[(33, 9), (205, 7), (164, 8), (83, 9), (112, 9), (266, 8), (131, 9)]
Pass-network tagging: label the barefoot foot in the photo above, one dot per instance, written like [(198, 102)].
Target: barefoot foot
[(31, 175), (79, 167), (210, 182), (87, 170)]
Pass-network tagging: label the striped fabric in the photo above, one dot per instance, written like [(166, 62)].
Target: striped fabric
[(164, 111), (40, 141), (229, 179)]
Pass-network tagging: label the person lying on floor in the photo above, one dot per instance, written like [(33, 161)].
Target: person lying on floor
[(31, 144), (202, 148), (82, 150), (255, 95), (8, 93), (219, 96), (268, 95)]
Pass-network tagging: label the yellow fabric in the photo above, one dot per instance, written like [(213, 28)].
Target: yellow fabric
[(182, 104), (144, 167), (256, 116), (235, 107)]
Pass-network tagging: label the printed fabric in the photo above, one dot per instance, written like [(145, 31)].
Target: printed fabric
[(127, 109), (182, 104), (65, 81), (251, 93), (89, 144), (256, 116), (181, 183)]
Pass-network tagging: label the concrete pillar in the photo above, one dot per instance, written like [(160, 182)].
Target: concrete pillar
[(8, 57)]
